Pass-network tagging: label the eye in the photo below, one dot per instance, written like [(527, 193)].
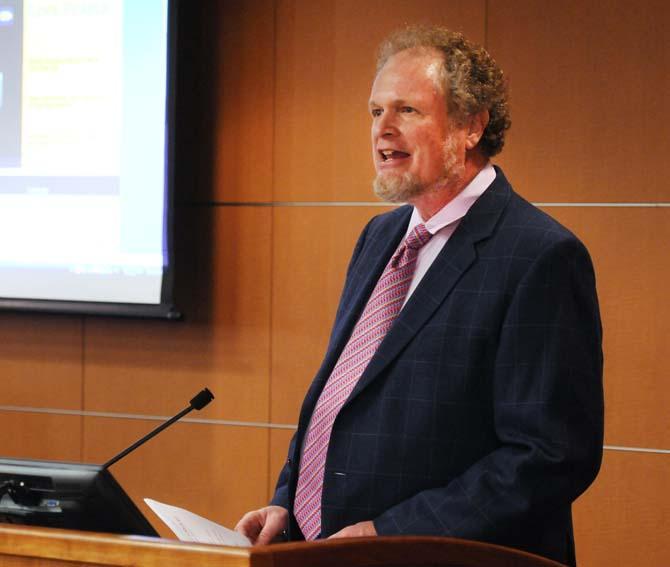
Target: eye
[(375, 112), (407, 109)]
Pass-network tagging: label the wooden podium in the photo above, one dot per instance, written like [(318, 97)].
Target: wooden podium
[(23, 546)]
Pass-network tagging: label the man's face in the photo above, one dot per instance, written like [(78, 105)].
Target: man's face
[(413, 146)]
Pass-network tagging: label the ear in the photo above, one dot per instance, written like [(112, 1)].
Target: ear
[(475, 128)]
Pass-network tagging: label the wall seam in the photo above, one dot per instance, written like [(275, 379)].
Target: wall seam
[(596, 204), (234, 423)]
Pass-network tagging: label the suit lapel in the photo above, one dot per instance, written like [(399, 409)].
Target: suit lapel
[(455, 258), (359, 286)]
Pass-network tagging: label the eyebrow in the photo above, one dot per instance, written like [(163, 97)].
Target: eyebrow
[(396, 102)]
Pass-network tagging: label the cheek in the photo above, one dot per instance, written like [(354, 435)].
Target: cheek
[(430, 153), (373, 153)]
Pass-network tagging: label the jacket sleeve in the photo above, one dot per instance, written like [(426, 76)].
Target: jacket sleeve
[(280, 497), (547, 411)]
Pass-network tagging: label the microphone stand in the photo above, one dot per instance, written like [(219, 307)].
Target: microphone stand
[(198, 402)]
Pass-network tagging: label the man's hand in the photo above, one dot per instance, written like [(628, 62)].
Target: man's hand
[(264, 525), (361, 529)]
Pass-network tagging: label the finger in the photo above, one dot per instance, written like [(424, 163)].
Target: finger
[(340, 534), (249, 525), (275, 522), (242, 524), (268, 533)]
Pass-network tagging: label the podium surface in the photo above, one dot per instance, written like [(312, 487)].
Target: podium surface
[(24, 546)]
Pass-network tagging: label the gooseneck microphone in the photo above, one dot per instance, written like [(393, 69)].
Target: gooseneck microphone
[(197, 403)]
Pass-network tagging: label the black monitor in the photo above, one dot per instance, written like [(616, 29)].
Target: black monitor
[(67, 495)]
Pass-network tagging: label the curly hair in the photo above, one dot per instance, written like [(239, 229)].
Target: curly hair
[(472, 79)]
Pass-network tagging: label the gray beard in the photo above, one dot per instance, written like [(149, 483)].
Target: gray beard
[(403, 188), (397, 188)]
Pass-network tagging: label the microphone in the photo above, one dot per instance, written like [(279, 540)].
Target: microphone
[(198, 402)]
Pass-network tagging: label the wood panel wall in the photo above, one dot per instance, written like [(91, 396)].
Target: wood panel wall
[(273, 187)]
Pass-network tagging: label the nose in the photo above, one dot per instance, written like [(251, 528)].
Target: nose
[(385, 126)]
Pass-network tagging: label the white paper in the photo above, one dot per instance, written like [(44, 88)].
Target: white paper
[(188, 526)]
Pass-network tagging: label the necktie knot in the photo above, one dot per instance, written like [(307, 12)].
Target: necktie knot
[(418, 237), (409, 249)]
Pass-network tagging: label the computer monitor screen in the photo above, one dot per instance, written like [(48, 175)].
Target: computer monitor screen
[(67, 495)]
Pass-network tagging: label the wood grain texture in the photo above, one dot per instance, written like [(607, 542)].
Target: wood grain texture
[(311, 250), (40, 436), (26, 546), (217, 471), (589, 84), (40, 360), (623, 518), (95, 549), (245, 102), (325, 67), (414, 551), (155, 367), (225, 101), (629, 251)]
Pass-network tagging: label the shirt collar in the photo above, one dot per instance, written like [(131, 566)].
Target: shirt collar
[(456, 209)]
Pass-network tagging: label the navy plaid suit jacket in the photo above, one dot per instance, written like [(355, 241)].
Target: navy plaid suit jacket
[(481, 414)]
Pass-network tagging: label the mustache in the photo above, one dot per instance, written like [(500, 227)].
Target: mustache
[(404, 187)]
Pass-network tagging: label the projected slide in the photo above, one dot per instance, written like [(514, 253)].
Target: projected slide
[(11, 41), (82, 149)]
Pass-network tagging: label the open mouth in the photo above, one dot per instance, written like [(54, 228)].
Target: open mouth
[(389, 155)]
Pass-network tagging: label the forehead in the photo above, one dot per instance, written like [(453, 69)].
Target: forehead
[(408, 75)]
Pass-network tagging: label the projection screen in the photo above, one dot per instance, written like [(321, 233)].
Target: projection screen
[(85, 144)]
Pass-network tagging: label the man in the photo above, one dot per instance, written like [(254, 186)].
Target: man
[(461, 392)]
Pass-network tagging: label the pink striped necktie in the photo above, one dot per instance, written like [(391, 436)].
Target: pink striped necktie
[(382, 308)]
